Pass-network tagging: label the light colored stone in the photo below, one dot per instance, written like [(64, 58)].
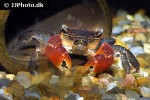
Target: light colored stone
[(1, 91), (86, 81), (125, 27), (132, 95), (7, 96), (54, 79), (140, 37), (138, 17), (10, 76), (130, 17), (127, 39), (145, 91), (117, 30), (3, 74), (24, 79), (137, 50), (147, 47), (111, 86)]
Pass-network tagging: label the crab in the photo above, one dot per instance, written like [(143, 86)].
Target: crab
[(57, 48)]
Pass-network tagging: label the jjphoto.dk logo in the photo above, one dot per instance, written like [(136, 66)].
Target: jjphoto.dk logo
[(21, 4)]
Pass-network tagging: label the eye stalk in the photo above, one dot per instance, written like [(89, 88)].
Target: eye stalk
[(65, 28), (99, 31)]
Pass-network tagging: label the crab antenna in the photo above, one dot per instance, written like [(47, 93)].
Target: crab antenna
[(99, 31), (65, 27)]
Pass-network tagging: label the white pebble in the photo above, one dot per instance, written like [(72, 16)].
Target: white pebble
[(127, 39), (23, 80), (139, 18), (137, 50), (80, 98), (86, 81), (54, 79), (2, 74), (1, 91), (116, 30), (143, 73), (130, 17), (147, 47), (10, 76), (145, 91), (111, 86)]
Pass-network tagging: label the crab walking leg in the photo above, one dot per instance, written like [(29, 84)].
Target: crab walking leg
[(127, 58), (134, 62), (101, 61), (56, 53), (26, 37), (32, 64)]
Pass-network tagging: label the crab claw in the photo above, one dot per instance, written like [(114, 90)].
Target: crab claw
[(56, 53), (101, 61)]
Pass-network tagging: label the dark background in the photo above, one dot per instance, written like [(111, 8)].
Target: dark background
[(20, 19)]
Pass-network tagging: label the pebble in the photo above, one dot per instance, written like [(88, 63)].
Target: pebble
[(137, 50), (86, 81), (7, 96), (24, 80), (145, 91), (141, 81), (132, 95), (139, 18), (124, 22), (1, 91), (2, 73), (117, 30), (111, 86), (140, 37), (32, 94), (125, 27), (10, 76), (4, 82), (95, 89), (102, 91), (147, 47), (143, 73), (130, 17), (54, 79), (104, 81), (74, 96), (111, 97), (80, 98), (65, 82), (119, 76), (129, 79), (127, 39), (145, 24), (144, 60)]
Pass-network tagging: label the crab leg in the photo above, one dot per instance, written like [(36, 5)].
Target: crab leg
[(32, 64), (56, 53), (26, 37), (127, 58)]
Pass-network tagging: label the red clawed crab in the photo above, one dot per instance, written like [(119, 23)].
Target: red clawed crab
[(57, 48)]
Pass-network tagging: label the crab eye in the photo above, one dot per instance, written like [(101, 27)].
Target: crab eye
[(85, 43), (99, 31), (65, 28), (76, 42)]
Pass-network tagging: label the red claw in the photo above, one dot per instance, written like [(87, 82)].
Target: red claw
[(56, 53), (102, 60)]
